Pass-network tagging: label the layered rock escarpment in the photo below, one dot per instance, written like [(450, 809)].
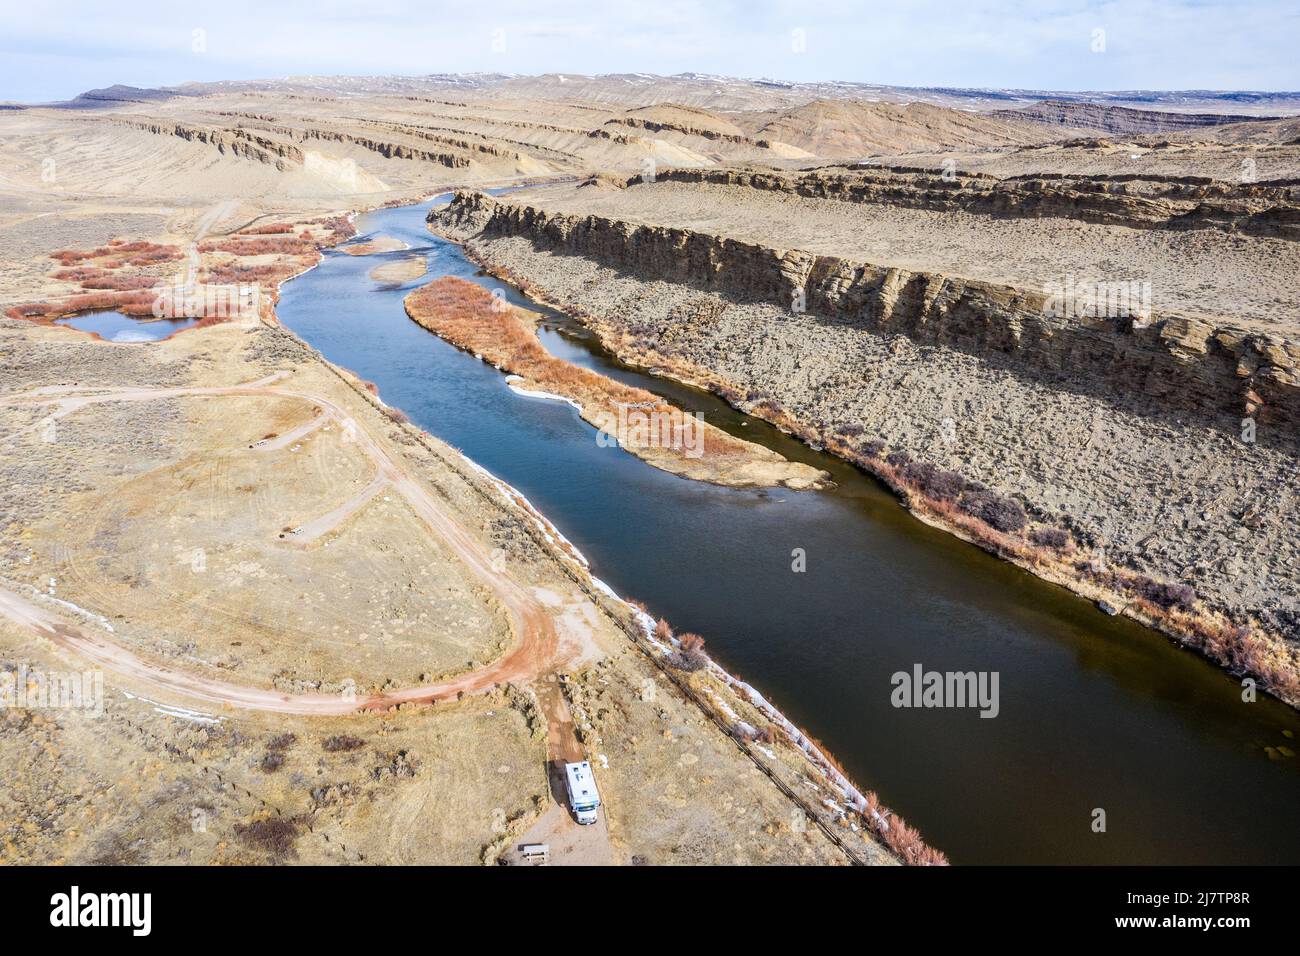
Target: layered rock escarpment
[(1118, 119), (1152, 201), (247, 144), (237, 142), (1182, 365), (1125, 457)]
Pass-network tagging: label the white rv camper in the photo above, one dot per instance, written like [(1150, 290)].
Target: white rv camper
[(583, 796)]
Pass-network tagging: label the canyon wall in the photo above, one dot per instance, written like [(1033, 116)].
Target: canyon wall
[(1119, 120), (1171, 366), (1270, 208), (1149, 466), (237, 141)]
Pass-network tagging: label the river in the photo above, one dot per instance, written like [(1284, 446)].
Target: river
[(1095, 713)]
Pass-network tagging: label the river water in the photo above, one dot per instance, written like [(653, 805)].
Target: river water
[(1095, 713)]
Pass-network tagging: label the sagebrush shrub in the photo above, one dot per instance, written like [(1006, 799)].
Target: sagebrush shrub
[(1164, 594), (1004, 514), (1049, 537)]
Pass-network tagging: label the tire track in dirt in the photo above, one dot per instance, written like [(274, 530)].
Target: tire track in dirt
[(532, 653)]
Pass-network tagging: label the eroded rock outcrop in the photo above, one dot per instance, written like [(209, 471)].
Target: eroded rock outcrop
[(237, 142), (1180, 365), (1149, 466), (1118, 119), (1149, 201)]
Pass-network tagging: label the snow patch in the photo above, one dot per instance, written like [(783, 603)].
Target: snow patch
[(171, 710), (89, 615), (512, 383)]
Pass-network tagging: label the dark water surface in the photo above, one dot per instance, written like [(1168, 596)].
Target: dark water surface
[(1095, 712)]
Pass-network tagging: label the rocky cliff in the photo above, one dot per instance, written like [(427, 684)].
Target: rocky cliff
[(1149, 201), (237, 142), (1171, 366), (1117, 119), (1148, 466)]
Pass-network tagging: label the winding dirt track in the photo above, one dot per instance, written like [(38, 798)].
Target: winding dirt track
[(532, 652)]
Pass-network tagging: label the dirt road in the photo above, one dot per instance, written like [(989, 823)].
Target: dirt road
[(570, 843), (533, 648)]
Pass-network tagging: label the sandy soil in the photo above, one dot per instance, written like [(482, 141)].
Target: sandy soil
[(396, 273), (371, 246)]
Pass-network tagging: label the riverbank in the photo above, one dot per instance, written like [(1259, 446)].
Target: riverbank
[(1092, 516), (881, 592), (663, 436), (264, 458), (852, 818)]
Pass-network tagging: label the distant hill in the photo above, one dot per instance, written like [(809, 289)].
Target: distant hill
[(1284, 131), (118, 94), (845, 128), (1119, 120), (710, 92)]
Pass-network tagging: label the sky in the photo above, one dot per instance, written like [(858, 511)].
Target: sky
[(54, 50)]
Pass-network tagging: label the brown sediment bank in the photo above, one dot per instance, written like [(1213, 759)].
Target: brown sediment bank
[(1130, 487), (471, 318)]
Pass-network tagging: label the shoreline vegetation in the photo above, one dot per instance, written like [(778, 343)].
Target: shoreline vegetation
[(473, 319), (858, 822), (723, 696), (995, 523), (682, 657), (141, 279)]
